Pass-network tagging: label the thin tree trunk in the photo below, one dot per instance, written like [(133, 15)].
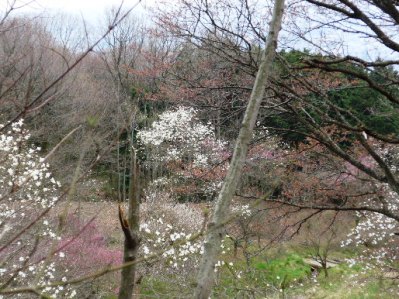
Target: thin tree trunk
[(218, 122), (130, 227), (124, 178), (214, 236)]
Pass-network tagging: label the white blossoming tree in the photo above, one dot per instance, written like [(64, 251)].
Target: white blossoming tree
[(160, 230), (29, 254), (376, 232), (195, 160)]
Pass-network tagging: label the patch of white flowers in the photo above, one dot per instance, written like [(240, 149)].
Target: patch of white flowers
[(181, 134), (27, 187), (242, 210), (390, 155), (179, 137), (180, 251), (171, 229), (377, 231)]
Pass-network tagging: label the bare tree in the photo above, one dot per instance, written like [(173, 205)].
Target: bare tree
[(338, 98), (35, 68), (215, 233)]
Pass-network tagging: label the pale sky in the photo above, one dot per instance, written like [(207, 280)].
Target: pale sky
[(91, 10)]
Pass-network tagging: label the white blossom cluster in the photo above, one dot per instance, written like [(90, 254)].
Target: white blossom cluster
[(168, 228), (220, 264), (181, 135), (390, 155), (27, 187), (46, 273), (377, 231), (24, 175), (180, 254), (26, 183), (180, 250), (242, 210)]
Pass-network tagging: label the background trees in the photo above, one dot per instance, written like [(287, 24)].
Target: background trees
[(343, 102), (312, 92), (323, 146)]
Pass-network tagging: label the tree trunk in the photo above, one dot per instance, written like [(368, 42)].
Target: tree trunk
[(214, 235), (218, 122), (130, 227)]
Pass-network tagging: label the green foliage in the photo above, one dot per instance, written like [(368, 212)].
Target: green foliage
[(287, 127), (359, 104), (375, 111), (153, 286), (244, 280), (351, 283), (284, 271)]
